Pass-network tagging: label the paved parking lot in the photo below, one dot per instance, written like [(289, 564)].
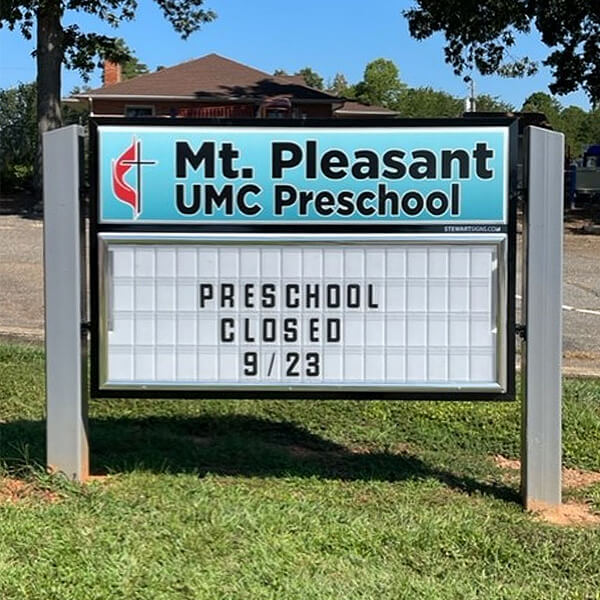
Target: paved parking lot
[(581, 292), (22, 303), (21, 277)]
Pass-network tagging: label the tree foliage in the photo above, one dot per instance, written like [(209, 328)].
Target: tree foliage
[(58, 43), (131, 67), (487, 103), (80, 49), (543, 103), (311, 78), (482, 35), (426, 102), (18, 135), (576, 124), (581, 128), (339, 85), (380, 85)]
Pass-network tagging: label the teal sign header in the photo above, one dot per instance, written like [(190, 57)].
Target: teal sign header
[(328, 175)]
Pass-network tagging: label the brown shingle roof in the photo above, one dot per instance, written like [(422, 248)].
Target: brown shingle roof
[(212, 76), (350, 107), (293, 79)]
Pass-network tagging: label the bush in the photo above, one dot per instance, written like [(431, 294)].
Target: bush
[(18, 136)]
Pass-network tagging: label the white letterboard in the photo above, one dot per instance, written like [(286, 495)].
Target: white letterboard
[(387, 313)]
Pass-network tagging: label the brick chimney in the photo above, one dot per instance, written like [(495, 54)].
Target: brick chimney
[(111, 74)]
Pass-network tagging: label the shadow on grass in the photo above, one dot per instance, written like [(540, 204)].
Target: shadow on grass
[(233, 445)]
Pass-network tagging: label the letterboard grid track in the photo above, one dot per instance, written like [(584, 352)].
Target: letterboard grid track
[(434, 321)]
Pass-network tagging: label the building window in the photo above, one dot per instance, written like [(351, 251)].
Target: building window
[(139, 111), (276, 113), (276, 108)]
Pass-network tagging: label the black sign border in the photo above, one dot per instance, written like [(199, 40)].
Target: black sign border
[(95, 227)]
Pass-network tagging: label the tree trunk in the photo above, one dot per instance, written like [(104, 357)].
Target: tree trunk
[(49, 60)]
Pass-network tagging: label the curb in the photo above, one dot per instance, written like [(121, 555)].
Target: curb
[(22, 333), (591, 229)]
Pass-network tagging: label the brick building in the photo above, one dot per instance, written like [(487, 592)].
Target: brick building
[(214, 86)]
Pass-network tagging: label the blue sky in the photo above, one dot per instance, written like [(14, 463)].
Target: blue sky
[(328, 35)]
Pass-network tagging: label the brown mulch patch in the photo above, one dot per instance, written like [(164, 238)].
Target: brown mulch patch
[(571, 478), (507, 463), (16, 490), (568, 514)]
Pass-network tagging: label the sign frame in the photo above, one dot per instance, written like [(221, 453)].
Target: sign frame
[(96, 228)]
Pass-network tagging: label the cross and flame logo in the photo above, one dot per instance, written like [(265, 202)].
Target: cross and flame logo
[(124, 191)]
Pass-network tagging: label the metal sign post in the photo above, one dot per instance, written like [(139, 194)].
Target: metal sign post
[(66, 341), (542, 348)]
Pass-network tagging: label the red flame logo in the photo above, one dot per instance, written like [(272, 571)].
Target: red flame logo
[(122, 190)]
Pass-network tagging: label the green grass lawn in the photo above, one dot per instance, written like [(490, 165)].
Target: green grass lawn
[(288, 500)]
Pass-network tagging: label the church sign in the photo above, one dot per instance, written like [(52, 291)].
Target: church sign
[(361, 259)]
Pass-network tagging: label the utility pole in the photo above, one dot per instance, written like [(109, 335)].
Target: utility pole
[(470, 104)]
